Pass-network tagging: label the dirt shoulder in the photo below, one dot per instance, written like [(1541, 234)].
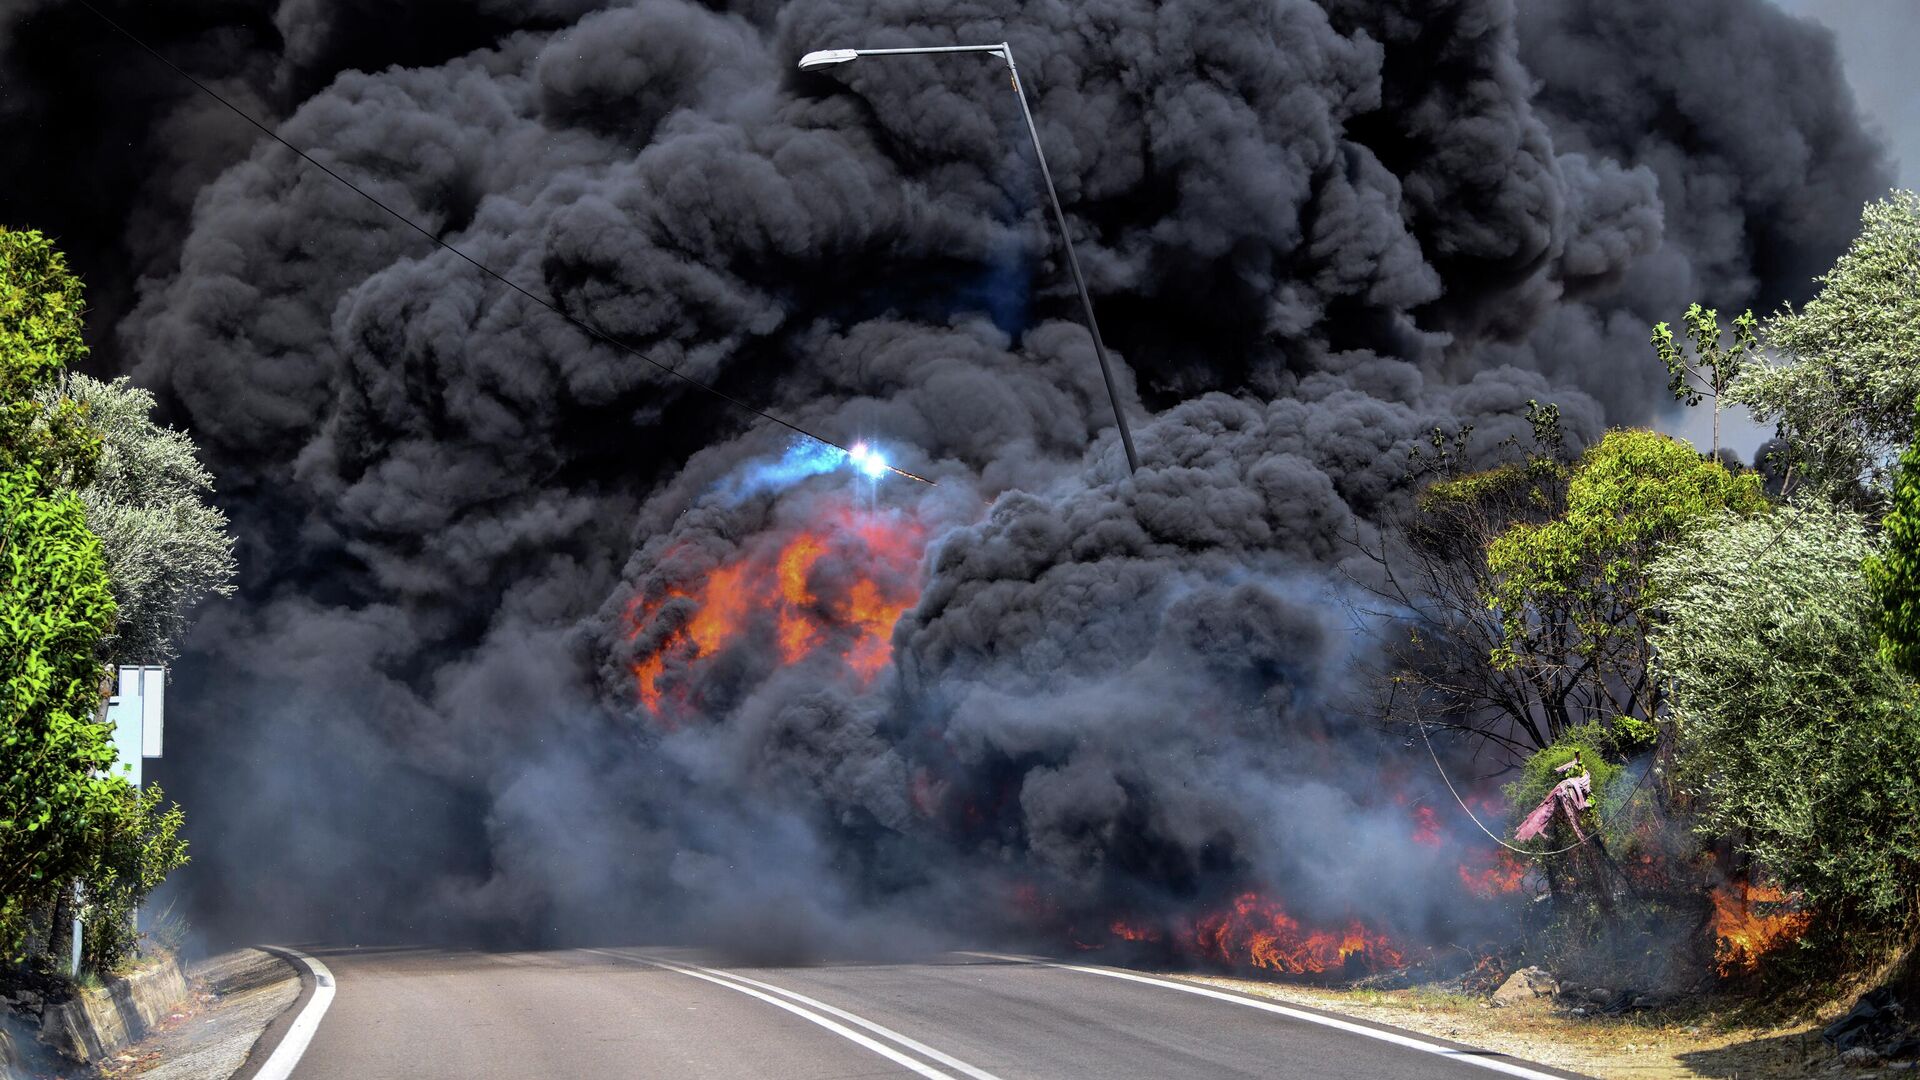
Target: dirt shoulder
[(234, 997), (1637, 1046)]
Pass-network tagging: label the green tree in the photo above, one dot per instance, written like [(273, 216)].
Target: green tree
[(1574, 607), (1843, 394), (64, 818), (41, 313), (1795, 735), (1527, 591), (1893, 572), (54, 609), (1571, 593), (138, 845), (55, 605), (1713, 368), (167, 547)]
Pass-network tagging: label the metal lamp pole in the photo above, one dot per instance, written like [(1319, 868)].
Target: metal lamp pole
[(827, 57)]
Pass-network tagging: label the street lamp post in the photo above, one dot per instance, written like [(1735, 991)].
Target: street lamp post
[(826, 57)]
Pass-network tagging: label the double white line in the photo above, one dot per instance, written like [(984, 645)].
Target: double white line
[(826, 1016)]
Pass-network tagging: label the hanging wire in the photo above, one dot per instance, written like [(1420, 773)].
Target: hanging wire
[(578, 323), (1445, 779)]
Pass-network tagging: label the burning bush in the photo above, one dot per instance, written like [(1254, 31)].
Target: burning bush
[(1751, 920), (1256, 931)]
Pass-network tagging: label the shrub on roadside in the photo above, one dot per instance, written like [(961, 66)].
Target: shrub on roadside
[(139, 846), (54, 608), (1795, 735)]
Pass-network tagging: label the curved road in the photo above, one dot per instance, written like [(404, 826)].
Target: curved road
[(671, 1014)]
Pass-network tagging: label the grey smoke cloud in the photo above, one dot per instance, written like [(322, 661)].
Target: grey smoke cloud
[(1315, 230)]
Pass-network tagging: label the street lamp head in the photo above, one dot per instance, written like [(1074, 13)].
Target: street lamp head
[(825, 57)]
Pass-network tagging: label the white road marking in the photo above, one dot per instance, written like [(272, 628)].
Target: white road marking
[(916, 1046), (1408, 1041), (280, 1063), (721, 978)]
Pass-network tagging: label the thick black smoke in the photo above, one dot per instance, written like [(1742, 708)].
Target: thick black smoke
[(1315, 231)]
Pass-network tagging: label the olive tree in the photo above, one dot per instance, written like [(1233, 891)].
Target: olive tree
[(1847, 373), (167, 546), (1794, 733)]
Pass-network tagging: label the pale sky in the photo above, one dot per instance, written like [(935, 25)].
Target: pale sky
[(1879, 45)]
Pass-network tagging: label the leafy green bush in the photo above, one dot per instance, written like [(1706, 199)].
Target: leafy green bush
[(1893, 572), (1795, 736), (54, 609), (1601, 748), (1632, 735), (1538, 776), (138, 846)]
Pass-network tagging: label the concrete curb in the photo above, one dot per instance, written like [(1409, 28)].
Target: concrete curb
[(99, 1023), (279, 1047)]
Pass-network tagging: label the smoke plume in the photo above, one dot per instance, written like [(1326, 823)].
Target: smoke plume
[(537, 641)]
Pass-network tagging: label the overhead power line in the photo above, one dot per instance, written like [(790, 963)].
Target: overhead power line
[(580, 324)]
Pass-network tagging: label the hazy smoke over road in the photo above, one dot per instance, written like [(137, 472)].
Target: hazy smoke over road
[(486, 675)]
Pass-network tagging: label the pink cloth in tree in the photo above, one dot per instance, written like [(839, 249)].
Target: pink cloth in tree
[(1569, 796)]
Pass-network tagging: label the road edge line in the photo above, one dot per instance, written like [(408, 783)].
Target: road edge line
[(284, 1052), (1412, 1042), (808, 1015)]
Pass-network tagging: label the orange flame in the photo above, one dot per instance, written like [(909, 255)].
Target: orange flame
[(1127, 931), (1750, 921), (1427, 827), (1500, 875), (797, 633), (771, 591), (724, 605), (1258, 932)]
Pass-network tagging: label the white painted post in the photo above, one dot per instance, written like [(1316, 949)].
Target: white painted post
[(79, 897), (137, 711)]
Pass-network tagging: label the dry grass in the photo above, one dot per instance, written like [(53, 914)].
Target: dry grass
[(1689, 1041)]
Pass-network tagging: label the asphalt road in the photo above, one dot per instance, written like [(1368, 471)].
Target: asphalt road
[(677, 1014)]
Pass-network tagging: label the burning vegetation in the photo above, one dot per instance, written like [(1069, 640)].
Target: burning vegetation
[(1256, 931), (829, 591), (1497, 874), (1751, 920)]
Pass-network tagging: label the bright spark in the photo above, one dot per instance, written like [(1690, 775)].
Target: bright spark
[(868, 460)]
